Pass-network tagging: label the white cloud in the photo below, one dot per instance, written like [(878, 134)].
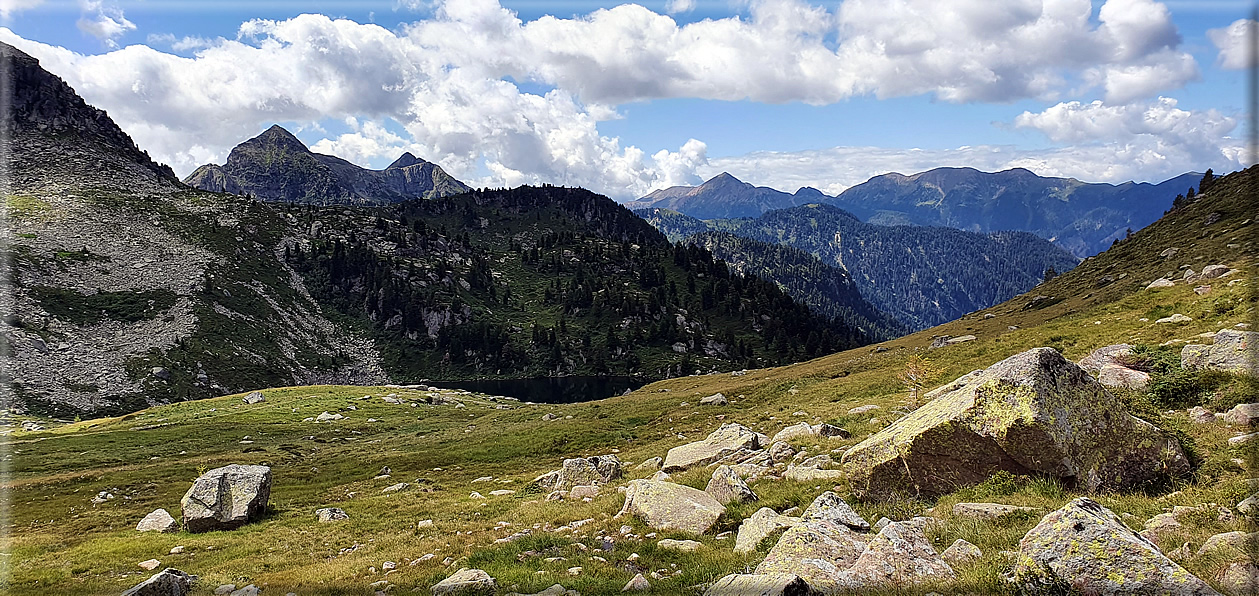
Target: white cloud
[(105, 23), (1235, 44), (179, 44), (679, 6), (9, 8)]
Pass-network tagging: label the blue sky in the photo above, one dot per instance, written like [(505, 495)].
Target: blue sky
[(626, 99)]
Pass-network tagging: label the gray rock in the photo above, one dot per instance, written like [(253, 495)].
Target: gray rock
[(780, 451), (1249, 505), (226, 498), (1174, 319), (987, 511), (803, 474), (1243, 415), (686, 546), (1230, 546), (168, 582), (829, 507), (961, 553), (249, 590), (1116, 375), (829, 431), (1235, 351), (882, 523), (726, 441), (1214, 271), (158, 521), (1034, 412), (1086, 547), (1201, 415), (668, 506), (650, 464), (554, 590), (761, 584), (330, 514), (716, 399), (899, 555), (795, 431), (819, 552), (727, 487), (638, 584), (254, 397), (760, 526), (470, 582), (326, 417), (581, 471), (1161, 282), (1239, 579)]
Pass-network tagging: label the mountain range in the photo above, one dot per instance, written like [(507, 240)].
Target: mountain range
[(1084, 218), (276, 166)]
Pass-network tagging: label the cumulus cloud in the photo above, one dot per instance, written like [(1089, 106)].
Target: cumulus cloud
[(679, 6), (103, 22), (9, 8), (1235, 44)]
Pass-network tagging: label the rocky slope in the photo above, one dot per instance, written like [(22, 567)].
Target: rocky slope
[(276, 166), (128, 288)]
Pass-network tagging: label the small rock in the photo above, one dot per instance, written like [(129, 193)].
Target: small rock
[(470, 582), (150, 564), (715, 399), (158, 521), (961, 553), (1176, 318), (169, 582), (638, 584), (680, 545), (330, 514), (254, 397)]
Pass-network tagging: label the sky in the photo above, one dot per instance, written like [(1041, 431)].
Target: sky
[(626, 98)]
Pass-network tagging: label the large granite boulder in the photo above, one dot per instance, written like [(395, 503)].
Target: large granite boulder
[(829, 507), (226, 498), (774, 584), (168, 582), (727, 487), (1231, 351), (1084, 548), (730, 442), (668, 506), (1032, 413), (466, 582), (582, 471), (760, 526), (819, 552)]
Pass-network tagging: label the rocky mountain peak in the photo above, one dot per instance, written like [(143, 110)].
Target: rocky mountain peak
[(406, 159), (276, 137), (42, 105)]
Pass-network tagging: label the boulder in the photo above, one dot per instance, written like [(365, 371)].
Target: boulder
[(226, 498), (761, 584), (987, 511), (1201, 415), (727, 487), (254, 397), (760, 526), (686, 546), (1032, 413), (1158, 528), (581, 471), (650, 464), (1239, 579), (1243, 415), (780, 451), (803, 474), (326, 417), (470, 582), (331, 514), (638, 584), (1085, 548), (1175, 319), (1161, 282), (829, 507), (168, 582), (581, 491), (859, 410), (961, 553), (727, 441), (715, 399), (668, 506), (1234, 351), (900, 555), (158, 521), (830, 430), (795, 431), (1119, 376), (819, 552), (1214, 271), (1230, 546), (1112, 354), (1194, 356), (554, 590)]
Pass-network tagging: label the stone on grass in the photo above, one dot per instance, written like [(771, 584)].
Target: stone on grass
[(158, 521), (804, 474), (1201, 415), (668, 506), (226, 498), (254, 397), (760, 526), (819, 552), (727, 487), (780, 451), (168, 582), (249, 590), (638, 584), (761, 584), (1085, 547), (961, 553), (728, 440), (829, 507), (1032, 413), (1174, 319), (330, 514), (466, 582), (830, 431), (680, 545), (1239, 579), (1161, 282), (581, 471), (1117, 375), (795, 431), (1099, 358), (987, 511), (651, 464), (715, 399), (150, 564), (1243, 415)]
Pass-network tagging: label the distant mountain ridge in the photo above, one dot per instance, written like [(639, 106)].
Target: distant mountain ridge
[(276, 166), (1082, 217)]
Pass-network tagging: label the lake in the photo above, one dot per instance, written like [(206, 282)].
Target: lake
[(550, 390)]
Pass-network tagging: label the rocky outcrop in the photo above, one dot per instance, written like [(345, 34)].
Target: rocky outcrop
[(819, 552), (227, 498), (668, 506), (730, 443), (1232, 351), (760, 526), (1032, 413), (1085, 548), (900, 555), (727, 487), (169, 582), (829, 507), (581, 471)]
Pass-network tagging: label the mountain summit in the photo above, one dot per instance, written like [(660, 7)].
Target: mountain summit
[(276, 166), (722, 196)]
